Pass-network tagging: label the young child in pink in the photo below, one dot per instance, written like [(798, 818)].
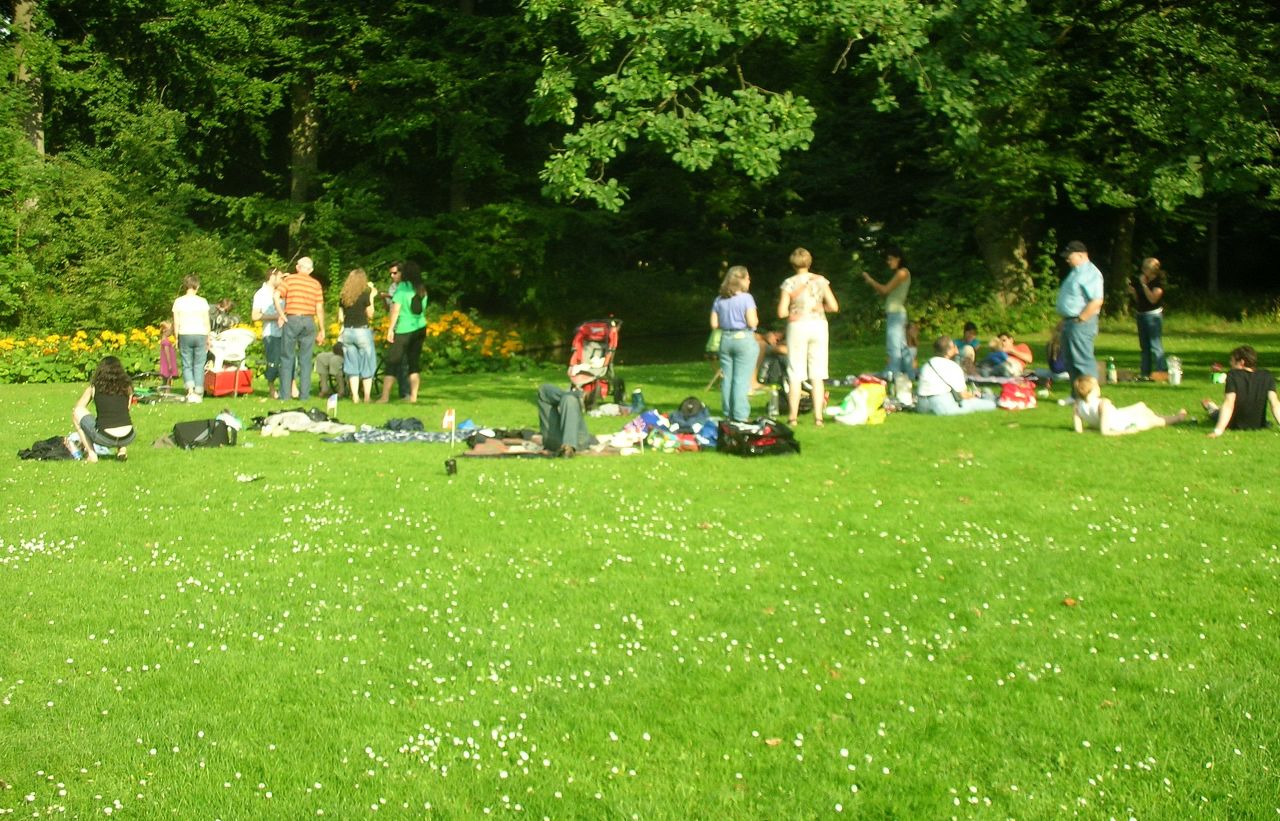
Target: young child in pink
[(168, 354)]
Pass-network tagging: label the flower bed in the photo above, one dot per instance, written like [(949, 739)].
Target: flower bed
[(456, 342)]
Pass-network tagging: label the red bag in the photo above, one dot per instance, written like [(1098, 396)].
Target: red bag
[(1017, 395)]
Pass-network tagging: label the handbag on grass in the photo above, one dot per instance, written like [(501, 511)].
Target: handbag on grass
[(203, 433)]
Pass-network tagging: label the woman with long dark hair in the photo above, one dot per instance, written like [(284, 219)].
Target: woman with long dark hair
[(109, 425)]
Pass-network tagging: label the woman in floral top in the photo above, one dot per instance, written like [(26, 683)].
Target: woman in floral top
[(806, 300)]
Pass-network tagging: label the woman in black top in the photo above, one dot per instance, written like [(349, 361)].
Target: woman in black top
[(109, 425), (355, 311), (1147, 290)]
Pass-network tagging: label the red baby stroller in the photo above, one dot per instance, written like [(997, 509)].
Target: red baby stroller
[(591, 365)]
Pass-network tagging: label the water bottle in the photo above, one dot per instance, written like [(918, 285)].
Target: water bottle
[(637, 401), (1112, 376), (1175, 370), (771, 410), (332, 405)]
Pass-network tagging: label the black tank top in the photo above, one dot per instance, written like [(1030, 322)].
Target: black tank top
[(113, 410), (357, 315)]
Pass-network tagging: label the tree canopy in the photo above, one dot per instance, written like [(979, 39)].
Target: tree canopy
[(555, 158)]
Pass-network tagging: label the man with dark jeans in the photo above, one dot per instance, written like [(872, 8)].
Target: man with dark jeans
[(1079, 303), (300, 303)]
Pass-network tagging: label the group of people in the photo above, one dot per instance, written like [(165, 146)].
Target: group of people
[(290, 308), (804, 302), (943, 386)]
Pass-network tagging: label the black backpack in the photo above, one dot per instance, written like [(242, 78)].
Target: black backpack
[(764, 437), (203, 433)]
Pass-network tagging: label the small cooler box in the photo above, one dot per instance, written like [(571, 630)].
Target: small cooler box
[(222, 383)]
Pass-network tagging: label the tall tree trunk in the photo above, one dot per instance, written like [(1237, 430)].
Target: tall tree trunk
[(1213, 251), (304, 140), (459, 190), (1002, 241), (24, 14), (1121, 260)]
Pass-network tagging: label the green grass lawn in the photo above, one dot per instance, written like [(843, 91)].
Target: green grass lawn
[(878, 627)]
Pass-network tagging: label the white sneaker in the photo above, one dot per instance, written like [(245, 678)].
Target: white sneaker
[(195, 398)]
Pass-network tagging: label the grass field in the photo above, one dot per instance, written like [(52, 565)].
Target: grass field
[(983, 617)]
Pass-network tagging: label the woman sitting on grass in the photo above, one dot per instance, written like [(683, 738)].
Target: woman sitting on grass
[(110, 390), (1092, 411), (942, 390), (1249, 391)]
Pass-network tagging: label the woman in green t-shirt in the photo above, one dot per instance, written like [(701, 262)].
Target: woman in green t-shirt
[(407, 331)]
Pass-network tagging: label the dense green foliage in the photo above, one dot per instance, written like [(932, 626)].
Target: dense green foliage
[(551, 160)]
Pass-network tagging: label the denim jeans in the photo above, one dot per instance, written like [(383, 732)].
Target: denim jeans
[(358, 355), (295, 358), (1150, 333), (895, 343), (271, 350), (944, 404), (738, 353), (1077, 345), (192, 349)]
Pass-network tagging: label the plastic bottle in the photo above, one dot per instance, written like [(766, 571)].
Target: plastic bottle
[(1175, 370), (637, 401), (1112, 375)]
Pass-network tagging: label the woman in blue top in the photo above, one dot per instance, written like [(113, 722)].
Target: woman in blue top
[(734, 313)]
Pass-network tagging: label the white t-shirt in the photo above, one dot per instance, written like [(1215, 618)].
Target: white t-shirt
[(1118, 419), (939, 376), (191, 315), (264, 303)]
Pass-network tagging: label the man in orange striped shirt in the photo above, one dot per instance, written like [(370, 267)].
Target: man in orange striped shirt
[(300, 306)]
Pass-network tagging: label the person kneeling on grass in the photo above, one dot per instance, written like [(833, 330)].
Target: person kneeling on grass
[(111, 391), (1092, 411), (1249, 391), (942, 390)]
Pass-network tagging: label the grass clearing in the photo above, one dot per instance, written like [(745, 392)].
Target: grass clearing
[(876, 627)]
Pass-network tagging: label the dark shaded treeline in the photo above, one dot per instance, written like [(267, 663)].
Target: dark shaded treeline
[(549, 161)]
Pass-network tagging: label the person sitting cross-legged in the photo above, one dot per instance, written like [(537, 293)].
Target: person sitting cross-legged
[(1250, 391), (942, 390)]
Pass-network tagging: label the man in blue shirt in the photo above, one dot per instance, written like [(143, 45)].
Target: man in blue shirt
[(1079, 303)]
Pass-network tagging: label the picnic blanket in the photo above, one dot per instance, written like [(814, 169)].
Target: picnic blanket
[(368, 435)]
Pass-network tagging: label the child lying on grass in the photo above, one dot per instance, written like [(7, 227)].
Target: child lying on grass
[(1092, 411)]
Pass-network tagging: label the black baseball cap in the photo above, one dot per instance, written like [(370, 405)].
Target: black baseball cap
[(1074, 246)]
